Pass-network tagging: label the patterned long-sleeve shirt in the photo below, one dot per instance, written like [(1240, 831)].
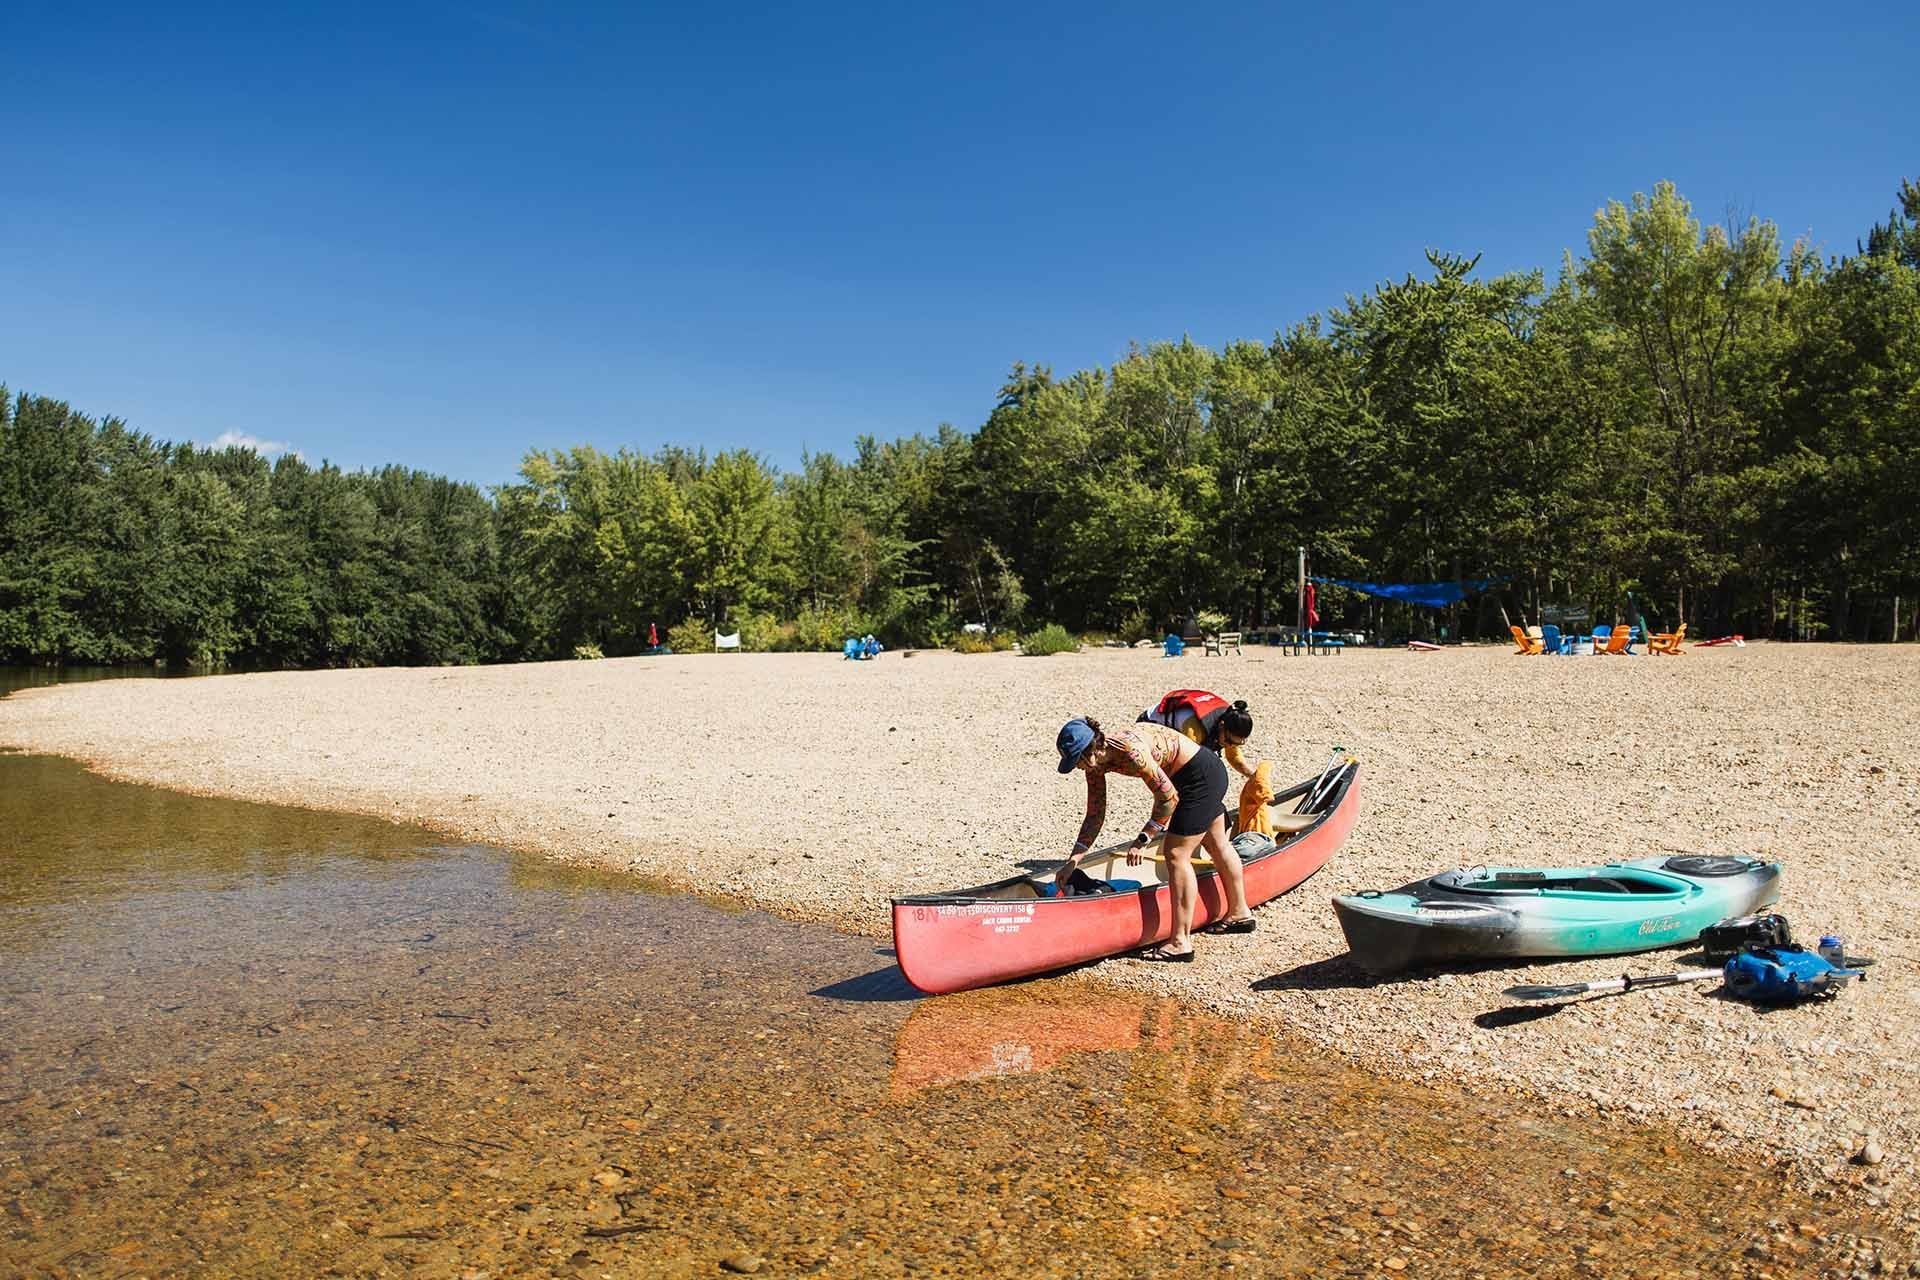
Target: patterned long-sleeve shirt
[(1149, 752)]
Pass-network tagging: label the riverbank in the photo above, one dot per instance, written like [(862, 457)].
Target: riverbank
[(244, 1040), (818, 788)]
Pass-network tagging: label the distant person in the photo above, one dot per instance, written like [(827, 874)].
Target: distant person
[(1188, 785), (1209, 720)]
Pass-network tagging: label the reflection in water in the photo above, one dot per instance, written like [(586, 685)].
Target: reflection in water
[(239, 1040), (12, 678), (1007, 1031)]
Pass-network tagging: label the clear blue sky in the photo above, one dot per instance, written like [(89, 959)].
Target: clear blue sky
[(442, 234)]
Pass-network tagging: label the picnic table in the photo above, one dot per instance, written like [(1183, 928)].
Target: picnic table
[(1292, 640)]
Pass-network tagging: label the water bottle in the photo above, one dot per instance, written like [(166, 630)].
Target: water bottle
[(1832, 951)]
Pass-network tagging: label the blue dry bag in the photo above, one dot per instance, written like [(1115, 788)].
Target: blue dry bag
[(1779, 975)]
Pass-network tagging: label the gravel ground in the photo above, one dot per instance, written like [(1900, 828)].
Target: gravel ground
[(818, 788)]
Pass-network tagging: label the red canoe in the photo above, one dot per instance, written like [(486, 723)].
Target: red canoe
[(1012, 928)]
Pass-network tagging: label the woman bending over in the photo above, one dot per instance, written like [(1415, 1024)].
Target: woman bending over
[(1188, 785)]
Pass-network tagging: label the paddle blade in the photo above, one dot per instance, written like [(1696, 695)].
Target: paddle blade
[(1549, 993)]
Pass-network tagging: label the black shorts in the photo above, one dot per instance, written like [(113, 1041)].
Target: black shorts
[(1202, 785)]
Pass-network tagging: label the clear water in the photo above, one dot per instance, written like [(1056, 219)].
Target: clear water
[(245, 1040)]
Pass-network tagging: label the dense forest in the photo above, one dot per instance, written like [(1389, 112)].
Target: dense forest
[(1727, 427)]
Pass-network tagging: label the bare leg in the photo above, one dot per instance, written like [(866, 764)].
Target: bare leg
[(1227, 859), (1178, 851)]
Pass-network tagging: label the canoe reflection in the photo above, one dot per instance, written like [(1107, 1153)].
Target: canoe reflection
[(1010, 1031)]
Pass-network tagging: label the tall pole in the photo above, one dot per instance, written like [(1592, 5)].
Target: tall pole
[(1300, 597), (1453, 610)]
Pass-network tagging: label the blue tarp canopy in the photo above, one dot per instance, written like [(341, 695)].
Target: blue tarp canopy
[(1434, 595)]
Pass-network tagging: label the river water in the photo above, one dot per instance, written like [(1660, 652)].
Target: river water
[(237, 1039)]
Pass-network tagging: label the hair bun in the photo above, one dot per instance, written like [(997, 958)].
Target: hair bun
[(1239, 704)]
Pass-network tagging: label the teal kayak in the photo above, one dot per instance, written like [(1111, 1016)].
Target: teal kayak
[(1513, 913)]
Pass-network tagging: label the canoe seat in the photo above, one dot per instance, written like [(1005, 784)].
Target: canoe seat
[(1114, 866), (1200, 861), (1289, 823)]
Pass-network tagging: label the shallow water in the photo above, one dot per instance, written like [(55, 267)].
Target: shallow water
[(245, 1040), (17, 677)]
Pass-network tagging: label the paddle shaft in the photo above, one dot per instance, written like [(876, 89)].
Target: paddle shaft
[(1315, 790), (1625, 982), (1333, 770)]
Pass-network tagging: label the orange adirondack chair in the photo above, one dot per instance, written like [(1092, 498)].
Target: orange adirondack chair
[(1617, 640), (1527, 643), (1668, 642)]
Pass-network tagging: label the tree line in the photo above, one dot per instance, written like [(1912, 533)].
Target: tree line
[(1725, 426)]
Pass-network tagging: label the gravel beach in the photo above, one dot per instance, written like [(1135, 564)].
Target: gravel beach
[(818, 788)]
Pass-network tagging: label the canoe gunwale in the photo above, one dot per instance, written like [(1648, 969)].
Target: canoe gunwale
[(947, 942)]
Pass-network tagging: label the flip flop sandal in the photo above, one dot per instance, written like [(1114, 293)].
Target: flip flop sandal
[(1159, 956), (1247, 925)]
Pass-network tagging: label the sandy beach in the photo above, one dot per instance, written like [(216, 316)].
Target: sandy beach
[(819, 788)]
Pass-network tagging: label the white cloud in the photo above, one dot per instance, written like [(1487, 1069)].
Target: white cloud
[(244, 440)]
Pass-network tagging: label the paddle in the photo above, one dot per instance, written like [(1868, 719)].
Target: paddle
[(1625, 982), (1336, 765), (1332, 769)]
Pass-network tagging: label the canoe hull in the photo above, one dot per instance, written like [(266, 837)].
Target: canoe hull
[(954, 942), (1426, 923)]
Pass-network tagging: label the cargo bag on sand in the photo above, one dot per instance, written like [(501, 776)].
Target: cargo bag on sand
[(1781, 975)]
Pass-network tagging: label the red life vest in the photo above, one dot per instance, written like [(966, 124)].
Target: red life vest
[(1206, 707)]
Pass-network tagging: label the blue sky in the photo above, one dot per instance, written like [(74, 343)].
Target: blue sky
[(443, 234)]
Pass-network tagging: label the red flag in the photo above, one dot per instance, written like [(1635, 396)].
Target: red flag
[(1313, 614), (653, 635)]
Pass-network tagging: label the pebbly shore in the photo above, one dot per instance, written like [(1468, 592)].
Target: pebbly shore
[(819, 788)]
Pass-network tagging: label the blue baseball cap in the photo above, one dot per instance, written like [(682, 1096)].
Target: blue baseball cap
[(1076, 735)]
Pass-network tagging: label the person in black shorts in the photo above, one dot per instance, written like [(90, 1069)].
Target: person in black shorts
[(1189, 785)]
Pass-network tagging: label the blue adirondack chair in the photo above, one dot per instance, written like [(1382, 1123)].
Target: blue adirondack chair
[(1601, 632), (1550, 639)]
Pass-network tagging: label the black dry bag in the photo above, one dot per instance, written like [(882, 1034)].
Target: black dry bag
[(1733, 936)]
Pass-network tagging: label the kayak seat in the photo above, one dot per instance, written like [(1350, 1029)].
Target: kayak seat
[(1600, 884)]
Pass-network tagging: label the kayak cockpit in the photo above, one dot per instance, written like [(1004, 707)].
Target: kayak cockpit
[(1614, 882)]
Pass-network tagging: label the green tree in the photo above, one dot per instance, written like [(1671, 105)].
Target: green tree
[(1686, 299), (740, 537)]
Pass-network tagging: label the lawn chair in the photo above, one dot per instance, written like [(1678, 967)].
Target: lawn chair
[(1526, 642), (1668, 642), (1601, 634), (1616, 641), (1550, 640)]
